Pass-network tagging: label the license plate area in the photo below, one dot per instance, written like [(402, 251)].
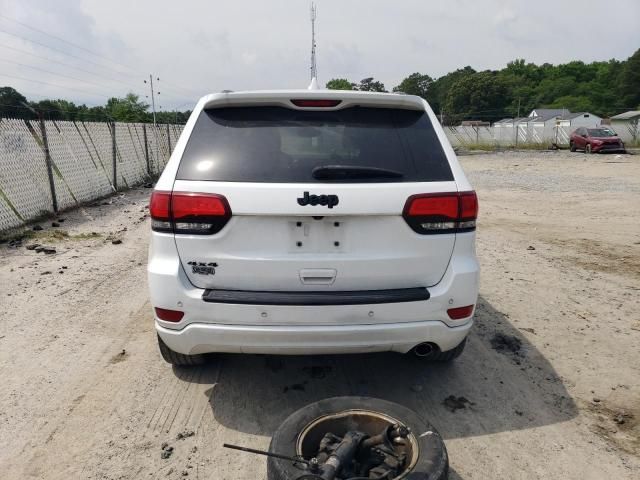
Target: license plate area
[(317, 235)]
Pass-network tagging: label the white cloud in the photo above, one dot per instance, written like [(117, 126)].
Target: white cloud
[(199, 46)]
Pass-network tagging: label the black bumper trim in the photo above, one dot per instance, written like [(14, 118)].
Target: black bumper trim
[(362, 297)]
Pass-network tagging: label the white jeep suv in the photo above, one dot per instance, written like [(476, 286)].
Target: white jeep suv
[(312, 221)]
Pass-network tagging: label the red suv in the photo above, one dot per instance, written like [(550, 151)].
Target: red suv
[(593, 140)]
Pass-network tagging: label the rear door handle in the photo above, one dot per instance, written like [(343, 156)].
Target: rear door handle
[(318, 276)]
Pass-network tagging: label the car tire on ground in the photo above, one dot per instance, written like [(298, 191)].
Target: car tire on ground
[(178, 359), (432, 462), (449, 355), (572, 147), (587, 148)]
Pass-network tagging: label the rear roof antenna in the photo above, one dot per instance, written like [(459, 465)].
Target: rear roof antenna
[(314, 68)]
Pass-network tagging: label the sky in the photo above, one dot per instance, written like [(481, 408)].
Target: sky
[(89, 50)]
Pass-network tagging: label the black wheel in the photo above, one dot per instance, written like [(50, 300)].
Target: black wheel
[(301, 432), (178, 359), (587, 148), (572, 147)]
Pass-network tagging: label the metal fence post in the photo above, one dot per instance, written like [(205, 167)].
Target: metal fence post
[(114, 155), (169, 140), (47, 158), (146, 148)]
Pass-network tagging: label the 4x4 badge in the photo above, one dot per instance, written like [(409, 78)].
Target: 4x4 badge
[(328, 200), (203, 268)]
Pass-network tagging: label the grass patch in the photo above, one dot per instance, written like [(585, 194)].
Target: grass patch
[(493, 147), (51, 236)]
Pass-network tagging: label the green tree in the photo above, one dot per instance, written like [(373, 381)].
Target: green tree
[(630, 82), (604, 88), (415, 84), (340, 84), (573, 103), (57, 109), (437, 93), (370, 85), (11, 104), (477, 96), (127, 109)]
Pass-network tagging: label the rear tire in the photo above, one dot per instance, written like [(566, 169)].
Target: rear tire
[(449, 355), (572, 147), (178, 359)]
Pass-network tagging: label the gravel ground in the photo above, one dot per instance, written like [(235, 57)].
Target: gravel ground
[(549, 379)]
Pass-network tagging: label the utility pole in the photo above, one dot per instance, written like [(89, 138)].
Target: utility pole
[(153, 98), (153, 108)]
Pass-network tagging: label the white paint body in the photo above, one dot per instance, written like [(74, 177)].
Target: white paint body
[(257, 251)]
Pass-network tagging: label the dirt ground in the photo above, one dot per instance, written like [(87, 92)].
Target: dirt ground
[(550, 375)]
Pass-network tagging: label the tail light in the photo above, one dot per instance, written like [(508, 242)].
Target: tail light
[(189, 213), (431, 213)]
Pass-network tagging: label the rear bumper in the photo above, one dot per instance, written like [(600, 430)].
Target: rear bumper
[(299, 329), (303, 340)]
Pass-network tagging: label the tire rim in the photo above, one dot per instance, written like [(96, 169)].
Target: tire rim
[(367, 421)]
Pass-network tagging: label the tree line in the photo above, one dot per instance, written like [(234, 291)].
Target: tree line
[(126, 109), (604, 88)]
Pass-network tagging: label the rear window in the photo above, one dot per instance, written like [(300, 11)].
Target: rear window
[(280, 145)]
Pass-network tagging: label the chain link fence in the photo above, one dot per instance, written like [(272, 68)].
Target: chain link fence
[(526, 135), (89, 160), (53, 165)]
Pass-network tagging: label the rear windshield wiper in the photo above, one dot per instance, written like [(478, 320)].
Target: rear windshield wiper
[(347, 172)]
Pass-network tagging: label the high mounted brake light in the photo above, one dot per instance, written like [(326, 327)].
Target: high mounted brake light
[(301, 102), (185, 212), (431, 213)]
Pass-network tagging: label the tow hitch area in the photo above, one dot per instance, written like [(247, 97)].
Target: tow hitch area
[(362, 438)]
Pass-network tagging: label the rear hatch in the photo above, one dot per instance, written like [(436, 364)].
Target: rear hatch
[(308, 199)]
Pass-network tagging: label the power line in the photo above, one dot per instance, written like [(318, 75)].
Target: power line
[(59, 75), (51, 84), (62, 40), (71, 55), (55, 49), (192, 92), (68, 65), (129, 74)]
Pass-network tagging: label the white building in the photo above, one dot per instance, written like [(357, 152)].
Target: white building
[(627, 125), (547, 112), (579, 119)]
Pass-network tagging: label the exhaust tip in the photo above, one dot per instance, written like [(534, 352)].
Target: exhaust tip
[(425, 349)]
